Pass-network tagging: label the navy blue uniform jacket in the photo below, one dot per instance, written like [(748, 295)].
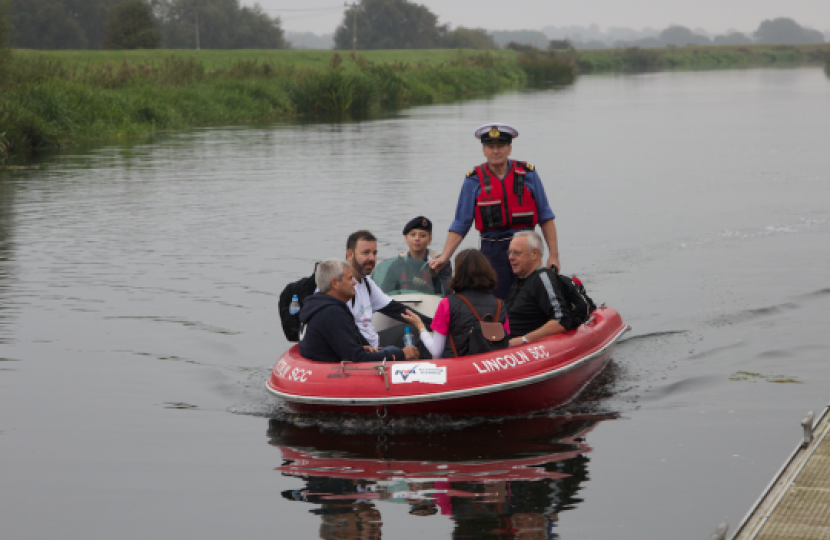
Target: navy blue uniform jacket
[(328, 333)]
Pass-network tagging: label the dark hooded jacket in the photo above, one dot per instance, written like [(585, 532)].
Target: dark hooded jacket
[(328, 333)]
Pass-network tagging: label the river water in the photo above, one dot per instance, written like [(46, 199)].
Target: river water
[(138, 319)]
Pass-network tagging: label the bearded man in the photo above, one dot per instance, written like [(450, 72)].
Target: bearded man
[(362, 255)]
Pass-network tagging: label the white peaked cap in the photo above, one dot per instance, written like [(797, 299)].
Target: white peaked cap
[(504, 128)]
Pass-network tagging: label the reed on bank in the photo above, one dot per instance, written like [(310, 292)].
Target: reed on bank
[(695, 58), (46, 100)]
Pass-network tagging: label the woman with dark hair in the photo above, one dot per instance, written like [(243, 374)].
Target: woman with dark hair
[(473, 282)]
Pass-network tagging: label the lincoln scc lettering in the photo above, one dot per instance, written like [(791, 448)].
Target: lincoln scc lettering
[(511, 360)]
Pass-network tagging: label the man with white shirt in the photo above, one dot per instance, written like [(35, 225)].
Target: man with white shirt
[(361, 254)]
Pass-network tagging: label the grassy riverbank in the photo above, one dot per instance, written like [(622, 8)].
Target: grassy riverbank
[(48, 98), (698, 58)]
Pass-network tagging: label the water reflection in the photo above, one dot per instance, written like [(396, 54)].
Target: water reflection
[(508, 480), (6, 257)]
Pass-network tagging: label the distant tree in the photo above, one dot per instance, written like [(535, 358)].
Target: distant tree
[(733, 38), (560, 44), (680, 35), (469, 38), (223, 24), (390, 24), (60, 24), (132, 25), (521, 47), (5, 22), (785, 31), (5, 28)]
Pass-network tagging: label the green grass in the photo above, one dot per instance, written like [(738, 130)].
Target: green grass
[(635, 59), (48, 98), (214, 59)]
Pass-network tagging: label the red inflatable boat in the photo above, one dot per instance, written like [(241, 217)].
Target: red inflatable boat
[(544, 374)]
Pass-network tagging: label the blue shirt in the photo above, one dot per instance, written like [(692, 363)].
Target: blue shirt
[(471, 188)]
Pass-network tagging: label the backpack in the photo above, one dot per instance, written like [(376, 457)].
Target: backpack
[(485, 336), (577, 298), (302, 288)]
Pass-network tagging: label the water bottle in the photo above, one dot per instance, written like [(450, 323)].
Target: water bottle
[(408, 340), (294, 308)]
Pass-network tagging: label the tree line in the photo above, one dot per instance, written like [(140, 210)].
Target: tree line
[(222, 24), (367, 24), (141, 24), (780, 31)]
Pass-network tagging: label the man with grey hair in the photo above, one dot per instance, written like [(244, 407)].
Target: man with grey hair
[(327, 329), (535, 305)]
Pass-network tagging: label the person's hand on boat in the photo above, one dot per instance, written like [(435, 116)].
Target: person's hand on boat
[(411, 353), (369, 348), (515, 342), (439, 262), (414, 320)]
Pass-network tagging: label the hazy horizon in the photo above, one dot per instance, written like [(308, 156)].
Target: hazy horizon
[(323, 16)]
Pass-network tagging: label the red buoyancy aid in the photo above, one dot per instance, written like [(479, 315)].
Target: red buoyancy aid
[(504, 204)]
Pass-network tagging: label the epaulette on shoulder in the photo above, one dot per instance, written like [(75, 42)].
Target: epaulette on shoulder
[(469, 174), (530, 166)]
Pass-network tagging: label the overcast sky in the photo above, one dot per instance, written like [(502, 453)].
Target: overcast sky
[(712, 15)]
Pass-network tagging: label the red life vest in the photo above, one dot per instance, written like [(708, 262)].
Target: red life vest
[(504, 204)]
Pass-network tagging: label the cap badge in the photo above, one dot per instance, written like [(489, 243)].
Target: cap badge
[(425, 222), (494, 132)]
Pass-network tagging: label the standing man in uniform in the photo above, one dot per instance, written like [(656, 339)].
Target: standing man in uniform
[(503, 197)]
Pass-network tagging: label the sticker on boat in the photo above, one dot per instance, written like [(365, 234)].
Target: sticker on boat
[(421, 372)]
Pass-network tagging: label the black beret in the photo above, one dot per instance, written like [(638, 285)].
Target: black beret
[(419, 222)]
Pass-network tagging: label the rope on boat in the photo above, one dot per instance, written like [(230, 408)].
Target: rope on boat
[(381, 369), (593, 318)]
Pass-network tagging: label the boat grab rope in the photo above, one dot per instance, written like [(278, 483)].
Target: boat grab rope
[(593, 318), (381, 369)]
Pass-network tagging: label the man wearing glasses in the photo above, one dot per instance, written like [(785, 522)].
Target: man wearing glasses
[(536, 305), (502, 197)]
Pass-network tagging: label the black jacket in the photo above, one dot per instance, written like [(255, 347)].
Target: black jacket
[(462, 319), (328, 333), (535, 300)]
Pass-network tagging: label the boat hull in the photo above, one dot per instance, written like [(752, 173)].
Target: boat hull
[(541, 375)]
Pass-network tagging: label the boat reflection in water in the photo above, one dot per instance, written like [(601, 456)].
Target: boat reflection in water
[(506, 480)]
